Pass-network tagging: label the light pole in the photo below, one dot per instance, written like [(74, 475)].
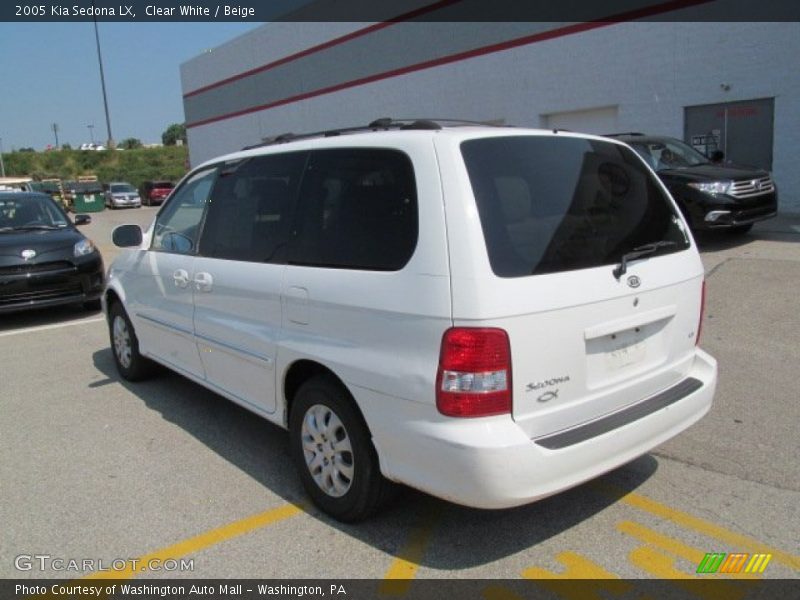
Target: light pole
[(91, 132), (54, 127), (110, 143), (2, 166)]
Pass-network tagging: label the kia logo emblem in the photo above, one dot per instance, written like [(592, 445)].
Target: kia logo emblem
[(634, 281)]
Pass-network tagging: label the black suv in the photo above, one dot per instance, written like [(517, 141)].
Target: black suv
[(710, 193)]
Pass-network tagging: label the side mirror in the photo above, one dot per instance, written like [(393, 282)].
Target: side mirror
[(127, 236), (82, 219), (717, 156)]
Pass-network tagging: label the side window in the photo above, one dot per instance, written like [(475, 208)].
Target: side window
[(177, 224), (358, 210), (250, 214)]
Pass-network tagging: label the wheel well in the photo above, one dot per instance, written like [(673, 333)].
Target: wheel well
[(300, 372), (111, 299)]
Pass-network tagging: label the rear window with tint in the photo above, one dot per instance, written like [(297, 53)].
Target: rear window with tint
[(550, 204), (358, 210)]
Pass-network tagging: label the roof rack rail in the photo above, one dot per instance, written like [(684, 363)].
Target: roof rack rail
[(621, 134), (384, 123)]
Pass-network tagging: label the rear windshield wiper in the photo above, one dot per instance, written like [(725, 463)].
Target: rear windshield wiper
[(639, 252)]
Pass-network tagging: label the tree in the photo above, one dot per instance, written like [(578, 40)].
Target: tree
[(66, 146), (130, 143), (27, 149), (173, 133)]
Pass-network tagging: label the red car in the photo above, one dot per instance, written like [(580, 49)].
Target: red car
[(154, 192)]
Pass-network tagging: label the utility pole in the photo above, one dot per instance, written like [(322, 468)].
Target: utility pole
[(91, 132), (110, 143), (54, 127), (2, 166)]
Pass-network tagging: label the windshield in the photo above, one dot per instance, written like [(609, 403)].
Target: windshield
[(668, 154), (30, 213), (550, 204), (122, 188)]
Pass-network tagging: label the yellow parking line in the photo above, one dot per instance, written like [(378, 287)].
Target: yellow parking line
[(671, 545), (665, 543), (581, 579), (576, 566), (705, 527), (662, 566), (403, 569), (203, 540)]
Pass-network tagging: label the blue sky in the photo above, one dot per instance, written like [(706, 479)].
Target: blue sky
[(49, 74)]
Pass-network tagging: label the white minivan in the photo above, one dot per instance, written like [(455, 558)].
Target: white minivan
[(487, 314)]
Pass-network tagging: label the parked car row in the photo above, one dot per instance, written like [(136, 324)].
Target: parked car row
[(90, 195), (120, 194)]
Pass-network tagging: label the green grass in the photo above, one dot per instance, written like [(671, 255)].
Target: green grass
[(133, 166)]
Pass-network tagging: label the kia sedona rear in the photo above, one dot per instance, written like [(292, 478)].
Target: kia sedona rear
[(577, 296)]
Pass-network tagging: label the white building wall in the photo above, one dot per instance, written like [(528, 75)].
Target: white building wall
[(650, 71)]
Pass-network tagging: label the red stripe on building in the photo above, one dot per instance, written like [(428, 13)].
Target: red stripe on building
[(482, 51), (324, 46)]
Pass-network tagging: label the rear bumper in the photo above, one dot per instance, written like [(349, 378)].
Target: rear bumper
[(491, 463)]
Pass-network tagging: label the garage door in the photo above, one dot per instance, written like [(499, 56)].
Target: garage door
[(594, 120), (742, 130)]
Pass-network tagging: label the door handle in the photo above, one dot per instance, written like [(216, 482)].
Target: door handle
[(181, 278), (203, 282)]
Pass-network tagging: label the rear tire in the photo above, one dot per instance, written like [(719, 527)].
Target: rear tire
[(125, 346), (333, 452)]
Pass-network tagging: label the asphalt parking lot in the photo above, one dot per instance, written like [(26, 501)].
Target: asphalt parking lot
[(95, 468)]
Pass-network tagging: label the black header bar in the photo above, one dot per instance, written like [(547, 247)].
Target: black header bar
[(407, 10)]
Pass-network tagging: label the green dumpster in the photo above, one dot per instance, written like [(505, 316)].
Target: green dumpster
[(53, 187), (87, 197)]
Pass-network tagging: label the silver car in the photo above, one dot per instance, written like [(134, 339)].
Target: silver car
[(120, 194)]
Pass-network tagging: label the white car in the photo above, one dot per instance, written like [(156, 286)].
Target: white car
[(488, 314)]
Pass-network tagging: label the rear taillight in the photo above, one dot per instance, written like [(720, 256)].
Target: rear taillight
[(702, 312), (474, 377)]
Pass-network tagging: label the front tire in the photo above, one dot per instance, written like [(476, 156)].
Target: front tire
[(125, 346), (333, 452)]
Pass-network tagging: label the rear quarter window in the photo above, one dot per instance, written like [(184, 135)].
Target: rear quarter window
[(550, 204)]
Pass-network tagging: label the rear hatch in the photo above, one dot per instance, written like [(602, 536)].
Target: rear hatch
[(588, 335)]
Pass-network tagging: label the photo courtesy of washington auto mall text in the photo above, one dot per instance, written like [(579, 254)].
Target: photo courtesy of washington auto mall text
[(111, 590)]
